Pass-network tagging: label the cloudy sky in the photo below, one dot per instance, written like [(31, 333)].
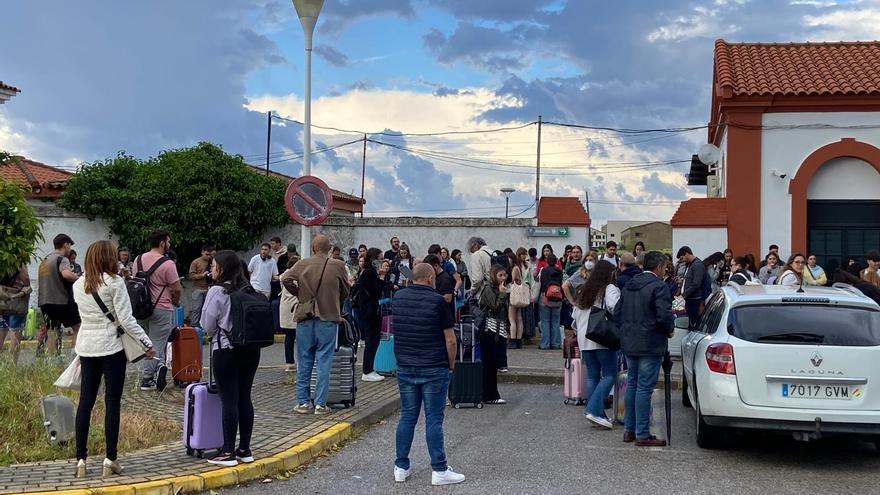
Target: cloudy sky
[(98, 77)]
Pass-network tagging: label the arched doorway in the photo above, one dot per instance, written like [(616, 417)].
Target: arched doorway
[(836, 203)]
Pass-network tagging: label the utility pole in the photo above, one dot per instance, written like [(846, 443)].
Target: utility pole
[(363, 174), (538, 170), (268, 140), (589, 227)]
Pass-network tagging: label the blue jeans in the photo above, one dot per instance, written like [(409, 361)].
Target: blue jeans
[(641, 378), (419, 385), (601, 371), (317, 341), (550, 333)]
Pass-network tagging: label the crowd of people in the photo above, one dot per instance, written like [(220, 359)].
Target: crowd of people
[(514, 295)]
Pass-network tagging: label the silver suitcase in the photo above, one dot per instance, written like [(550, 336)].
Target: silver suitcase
[(343, 387), (59, 415)]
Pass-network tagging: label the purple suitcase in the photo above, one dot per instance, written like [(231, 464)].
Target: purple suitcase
[(202, 420)]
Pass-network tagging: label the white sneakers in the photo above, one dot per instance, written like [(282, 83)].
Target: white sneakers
[(400, 475), (604, 423), (448, 477), (372, 377)]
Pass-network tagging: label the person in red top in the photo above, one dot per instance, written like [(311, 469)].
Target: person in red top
[(546, 251), (165, 293)]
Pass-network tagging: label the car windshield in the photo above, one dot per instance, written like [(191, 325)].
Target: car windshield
[(806, 324)]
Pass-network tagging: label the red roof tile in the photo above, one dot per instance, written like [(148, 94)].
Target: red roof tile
[(566, 211), (701, 212), (797, 69), (45, 181), (9, 88)]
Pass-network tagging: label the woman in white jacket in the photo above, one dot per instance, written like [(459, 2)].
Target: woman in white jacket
[(289, 301), (599, 291), (100, 350)]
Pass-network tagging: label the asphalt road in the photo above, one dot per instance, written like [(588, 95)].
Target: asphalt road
[(537, 445)]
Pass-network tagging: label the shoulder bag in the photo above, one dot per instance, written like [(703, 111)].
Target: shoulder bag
[(14, 301), (305, 310), (602, 329), (497, 325), (520, 295), (135, 349)]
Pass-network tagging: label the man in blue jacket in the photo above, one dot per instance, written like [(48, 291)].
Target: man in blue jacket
[(424, 344), (644, 316)]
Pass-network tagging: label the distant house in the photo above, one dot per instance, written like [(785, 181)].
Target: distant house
[(597, 239), (570, 219), (798, 128), (656, 236), (343, 204), (7, 92), (614, 229)]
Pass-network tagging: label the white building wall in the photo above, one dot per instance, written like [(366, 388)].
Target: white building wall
[(786, 149), (703, 241), (848, 178)]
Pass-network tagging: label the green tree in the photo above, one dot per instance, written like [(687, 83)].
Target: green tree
[(20, 229), (197, 194)]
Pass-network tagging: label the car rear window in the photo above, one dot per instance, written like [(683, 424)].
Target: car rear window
[(810, 324)]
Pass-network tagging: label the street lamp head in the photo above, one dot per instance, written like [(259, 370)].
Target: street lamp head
[(508, 190), (308, 11)]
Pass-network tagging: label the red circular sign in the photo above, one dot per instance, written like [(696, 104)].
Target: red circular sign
[(308, 200)]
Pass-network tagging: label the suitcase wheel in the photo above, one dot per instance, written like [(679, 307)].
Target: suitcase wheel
[(479, 405), (566, 402), (189, 451), (457, 406), (346, 404), (200, 454)]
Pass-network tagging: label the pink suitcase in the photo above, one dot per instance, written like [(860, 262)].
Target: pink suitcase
[(573, 382), (202, 420)]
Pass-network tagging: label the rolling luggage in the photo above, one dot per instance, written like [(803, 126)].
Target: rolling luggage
[(570, 348), (59, 415), (179, 316), (186, 355), (386, 362), (621, 383), (466, 386), (202, 418), (343, 387), (573, 382)]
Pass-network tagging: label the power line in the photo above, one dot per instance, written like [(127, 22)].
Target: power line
[(316, 151), (383, 133)]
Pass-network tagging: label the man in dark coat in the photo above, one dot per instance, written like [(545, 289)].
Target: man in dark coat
[(644, 316), (692, 287), (628, 269)]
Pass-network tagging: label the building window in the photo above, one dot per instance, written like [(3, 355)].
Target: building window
[(638, 234)]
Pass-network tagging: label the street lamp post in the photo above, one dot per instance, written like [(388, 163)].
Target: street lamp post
[(308, 11), (507, 192)]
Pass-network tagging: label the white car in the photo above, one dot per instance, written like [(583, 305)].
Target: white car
[(783, 359)]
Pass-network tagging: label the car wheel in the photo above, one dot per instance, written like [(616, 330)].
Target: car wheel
[(707, 436), (685, 400)]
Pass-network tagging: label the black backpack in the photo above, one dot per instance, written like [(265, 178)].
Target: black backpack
[(138, 287), (251, 316), (498, 258)]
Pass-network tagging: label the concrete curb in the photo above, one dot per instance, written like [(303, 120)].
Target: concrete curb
[(547, 378), (287, 460)]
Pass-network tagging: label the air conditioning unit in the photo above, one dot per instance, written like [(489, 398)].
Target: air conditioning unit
[(713, 186)]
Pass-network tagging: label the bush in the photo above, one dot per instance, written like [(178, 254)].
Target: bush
[(23, 437), (20, 229), (197, 194)]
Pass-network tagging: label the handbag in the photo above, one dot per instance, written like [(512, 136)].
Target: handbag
[(520, 295), (602, 330), (134, 349), (71, 377), (305, 310), (14, 301)]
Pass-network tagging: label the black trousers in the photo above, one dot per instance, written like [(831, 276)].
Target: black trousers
[(371, 334), (692, 308), (112, 369), (234, 371), (489, 356)]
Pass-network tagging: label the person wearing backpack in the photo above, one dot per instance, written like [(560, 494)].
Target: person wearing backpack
[(160, 277), (551, 303), (692, 289), (18, 285), (323, 284), (234, 367)]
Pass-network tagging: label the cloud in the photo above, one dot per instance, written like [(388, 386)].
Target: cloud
[(492, 49), (501, 10), (333, 56), (337, 15), (849, 24)]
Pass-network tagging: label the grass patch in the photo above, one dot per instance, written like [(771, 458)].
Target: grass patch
[(23, 437)]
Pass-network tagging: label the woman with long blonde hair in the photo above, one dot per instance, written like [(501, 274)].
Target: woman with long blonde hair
[(100, 350)]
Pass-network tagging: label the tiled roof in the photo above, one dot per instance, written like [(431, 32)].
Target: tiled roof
[(701, 212), (797, 69), (7, 87), (336, 194), (566, 211), (45, 181)]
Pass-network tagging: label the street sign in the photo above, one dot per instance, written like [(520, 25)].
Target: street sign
[(547, 231), (308, 201)]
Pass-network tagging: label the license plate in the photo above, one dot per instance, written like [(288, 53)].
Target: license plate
[(808, 391)]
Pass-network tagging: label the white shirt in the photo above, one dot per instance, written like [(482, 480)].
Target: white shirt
[(613, 260), (582, 317), (789, 278), (481, 264), (262, 272), (97, 335)]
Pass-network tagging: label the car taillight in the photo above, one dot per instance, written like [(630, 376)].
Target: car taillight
[(719, 357)]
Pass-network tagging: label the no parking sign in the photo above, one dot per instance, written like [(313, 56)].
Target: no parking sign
[(308, 201)]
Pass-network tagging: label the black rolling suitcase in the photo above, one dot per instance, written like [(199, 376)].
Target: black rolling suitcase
[(466, 386)]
